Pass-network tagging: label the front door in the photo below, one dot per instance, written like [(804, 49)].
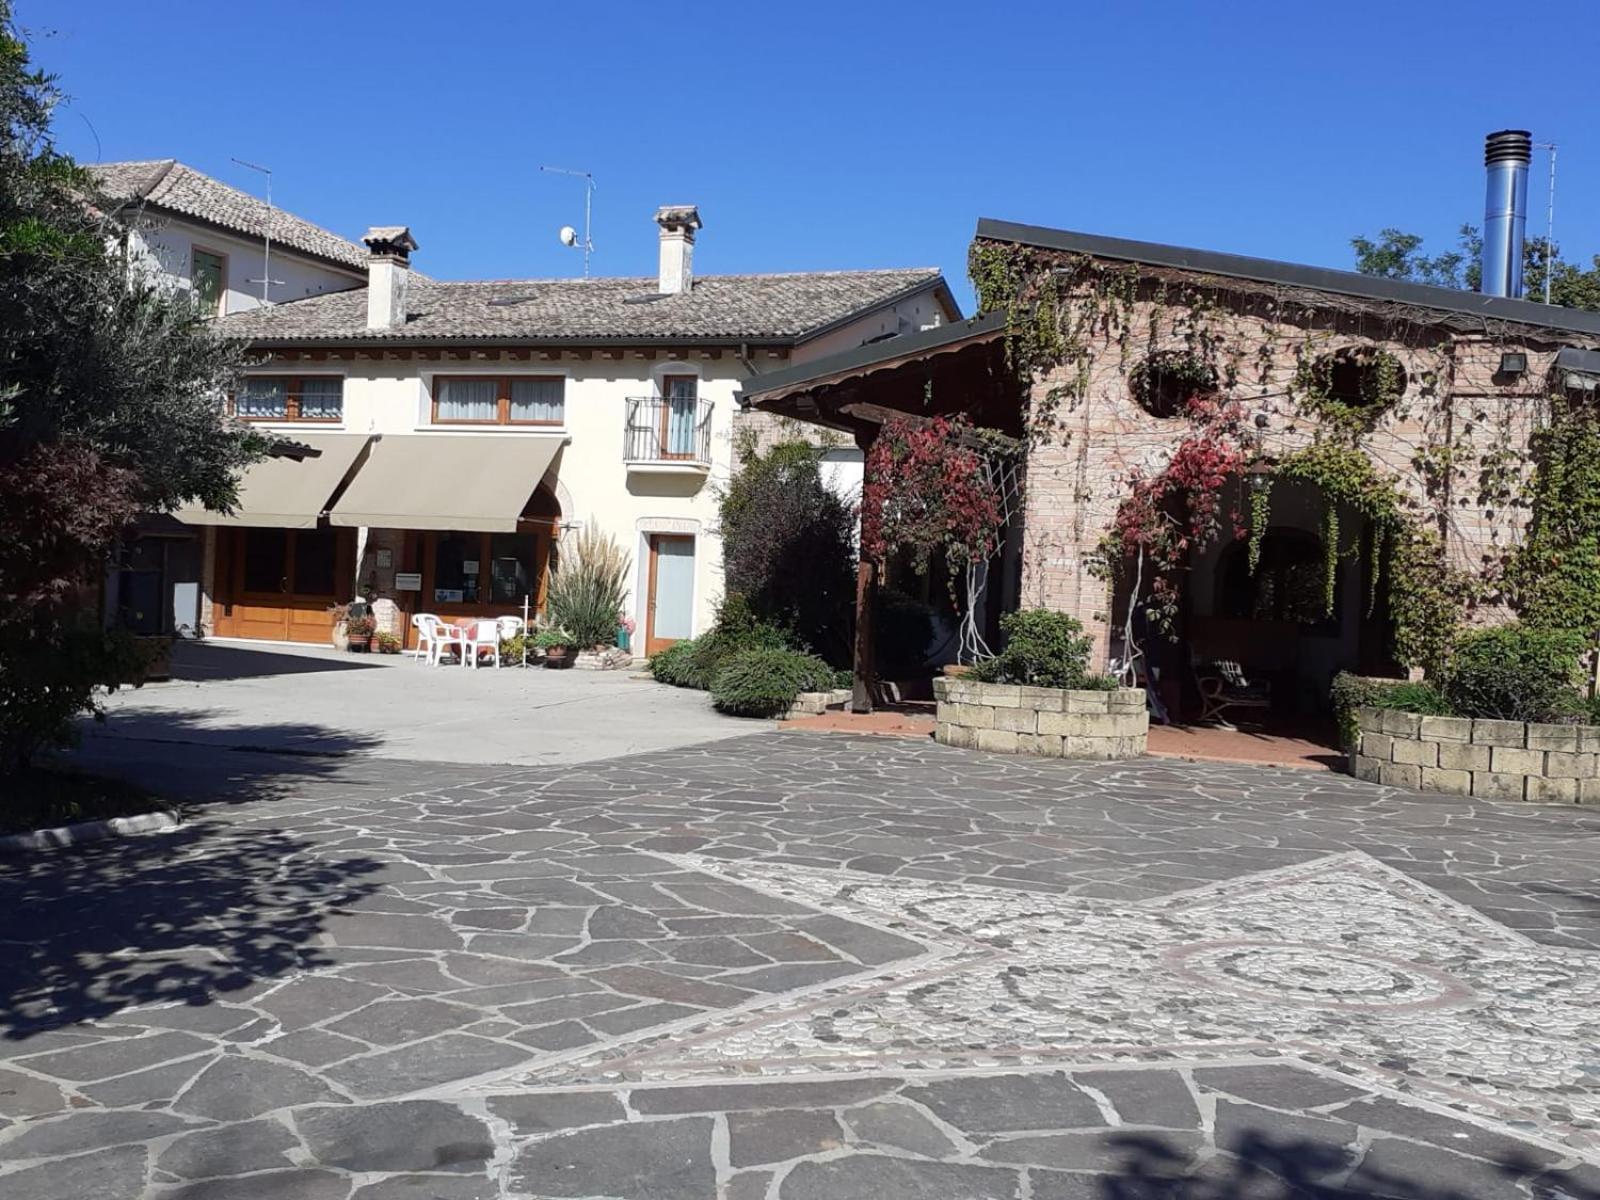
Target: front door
[(671, 612), (281, 582)]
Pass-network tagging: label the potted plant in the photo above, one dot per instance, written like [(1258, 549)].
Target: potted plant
[(360, 631), (625, 628), (388, 643), (554, 642)]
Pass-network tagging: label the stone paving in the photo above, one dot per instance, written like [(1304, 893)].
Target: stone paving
[(805, 965)]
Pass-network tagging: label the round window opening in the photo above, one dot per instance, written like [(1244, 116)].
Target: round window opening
[(1166, 381), (1358, 380)]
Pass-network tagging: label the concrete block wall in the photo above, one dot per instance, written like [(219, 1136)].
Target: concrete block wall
[(1048, 722), (1497, 760)]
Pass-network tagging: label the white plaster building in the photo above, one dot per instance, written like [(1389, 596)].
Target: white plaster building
[(195, 233), (463, 427)]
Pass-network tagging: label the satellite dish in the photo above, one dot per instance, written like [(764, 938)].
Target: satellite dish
[(568, 235)]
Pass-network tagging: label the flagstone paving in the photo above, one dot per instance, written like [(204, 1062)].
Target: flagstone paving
[(806, 965)]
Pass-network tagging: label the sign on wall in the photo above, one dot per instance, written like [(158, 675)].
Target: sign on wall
[(408, 581)]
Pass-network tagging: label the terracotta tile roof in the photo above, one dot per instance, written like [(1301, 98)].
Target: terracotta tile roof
[(167, 184), (717, 308)]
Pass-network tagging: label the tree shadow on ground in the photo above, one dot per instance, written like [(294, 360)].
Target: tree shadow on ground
[(1256, 1164), (178, 756), (202, 662), (192, 916)]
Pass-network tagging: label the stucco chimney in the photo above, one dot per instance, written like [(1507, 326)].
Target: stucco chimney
[(678, 223), (389, 250)]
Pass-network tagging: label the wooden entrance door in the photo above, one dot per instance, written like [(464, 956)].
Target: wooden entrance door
[(670, 614), (278, 584)]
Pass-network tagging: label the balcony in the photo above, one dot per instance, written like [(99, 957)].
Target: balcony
[(667, 436)]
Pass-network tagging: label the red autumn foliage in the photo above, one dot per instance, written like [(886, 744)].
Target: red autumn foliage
[(61, 508), (927, 490), (1181, 508)]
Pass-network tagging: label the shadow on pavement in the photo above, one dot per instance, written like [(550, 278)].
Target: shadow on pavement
[(1257, 1164), (189, 916), (200, 662)]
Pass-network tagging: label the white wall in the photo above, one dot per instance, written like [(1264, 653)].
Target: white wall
[(165, 244), (914, 313), (595, 484)]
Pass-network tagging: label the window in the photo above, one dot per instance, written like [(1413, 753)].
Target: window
[(511, 558), (208, 275), (265, 555), (291, 398), (499, 399), (681, 393)]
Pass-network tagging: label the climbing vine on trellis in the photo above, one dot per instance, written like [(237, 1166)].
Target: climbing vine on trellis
[(1303, 379)]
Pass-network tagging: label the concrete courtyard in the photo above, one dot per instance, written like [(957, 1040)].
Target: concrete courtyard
[(794, 966), (312, 699)]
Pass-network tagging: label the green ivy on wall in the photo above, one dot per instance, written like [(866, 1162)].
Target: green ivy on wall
[(1555, 579)]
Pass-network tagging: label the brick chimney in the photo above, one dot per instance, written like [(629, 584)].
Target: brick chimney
[(389, 250), (678, 223)]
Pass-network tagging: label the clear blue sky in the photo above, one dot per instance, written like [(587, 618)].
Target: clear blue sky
[(825, 135)]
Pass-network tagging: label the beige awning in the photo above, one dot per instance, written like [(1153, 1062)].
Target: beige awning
[(285, 493), (443, 481)]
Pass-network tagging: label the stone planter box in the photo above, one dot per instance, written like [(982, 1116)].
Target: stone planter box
[(1497, 760), (611, 658), (814, 704), (1049, 722)]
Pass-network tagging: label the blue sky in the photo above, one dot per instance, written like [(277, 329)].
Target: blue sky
[(824, 135)]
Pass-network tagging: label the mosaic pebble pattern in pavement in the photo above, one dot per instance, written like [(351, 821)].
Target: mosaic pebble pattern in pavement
[(798, 965)]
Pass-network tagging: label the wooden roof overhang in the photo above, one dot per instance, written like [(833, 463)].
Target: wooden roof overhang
[(956, 368)]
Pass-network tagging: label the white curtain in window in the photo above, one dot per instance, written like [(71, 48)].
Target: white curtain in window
[(541, 399), (263, 399), (680, 416), (469, 399), (322, 399)]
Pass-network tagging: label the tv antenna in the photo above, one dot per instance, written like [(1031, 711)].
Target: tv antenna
[(1549, 220), (569, 235), (266, 280)]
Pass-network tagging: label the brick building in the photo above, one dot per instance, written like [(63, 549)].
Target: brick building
[(1439, 388)]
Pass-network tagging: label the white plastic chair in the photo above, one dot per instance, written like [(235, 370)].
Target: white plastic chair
[(425, 625), (482, 635), (444, 637), (510, 627)]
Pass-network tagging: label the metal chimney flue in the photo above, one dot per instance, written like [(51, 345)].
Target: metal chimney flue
[(1505, 210)]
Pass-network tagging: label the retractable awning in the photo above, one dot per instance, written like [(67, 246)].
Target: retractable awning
[(445, 481), (287, 493)]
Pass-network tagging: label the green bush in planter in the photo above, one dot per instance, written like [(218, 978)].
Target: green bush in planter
[(1350, 692), (554, 638), (764, 683), (1516, 673), (1042, 649)]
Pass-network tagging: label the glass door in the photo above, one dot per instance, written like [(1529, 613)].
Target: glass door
[(680, 396), (671, 613)]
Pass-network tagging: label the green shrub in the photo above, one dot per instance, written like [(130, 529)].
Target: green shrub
[(736, 629), (1350, 692), (1042, 649), (512, 649), (1516, 673), (587, 591), (764, 682), (555, 637), (671, 665)]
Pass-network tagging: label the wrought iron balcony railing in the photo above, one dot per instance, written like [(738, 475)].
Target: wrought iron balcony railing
[(663, 430)]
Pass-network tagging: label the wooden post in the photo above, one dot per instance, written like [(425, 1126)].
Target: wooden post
[(866, 603), (866, 595)]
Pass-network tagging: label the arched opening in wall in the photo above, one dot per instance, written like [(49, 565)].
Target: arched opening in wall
[(1355, 384), (1287, 585), (1166, 381), (1270, 636)]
